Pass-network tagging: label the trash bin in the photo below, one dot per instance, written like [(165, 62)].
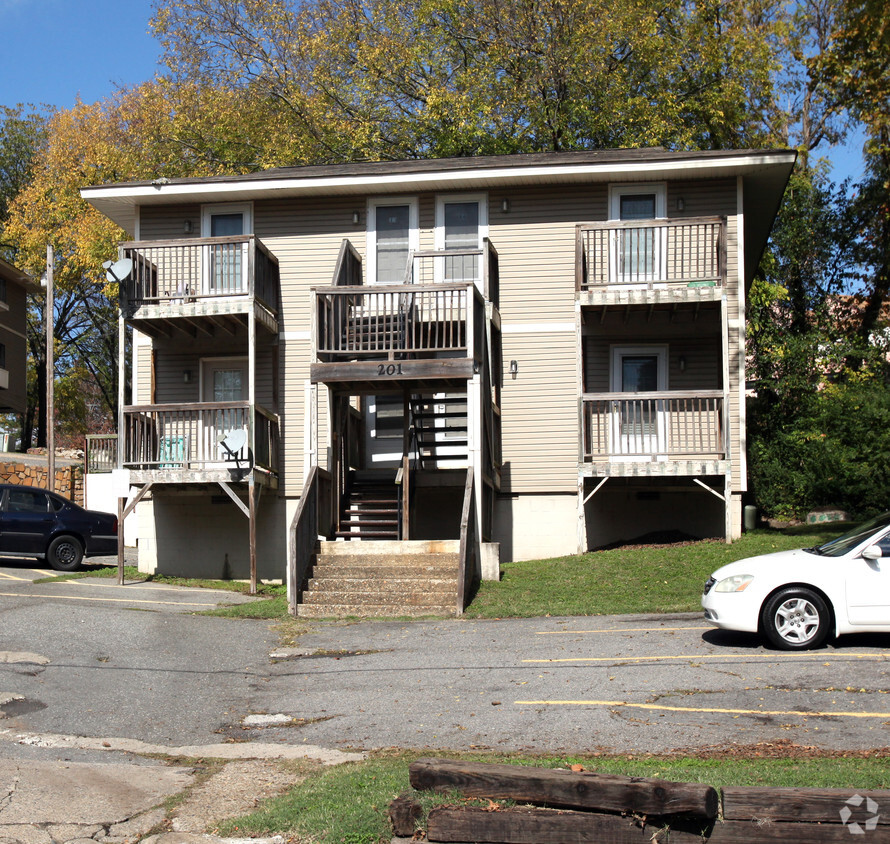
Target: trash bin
[(750, 517)]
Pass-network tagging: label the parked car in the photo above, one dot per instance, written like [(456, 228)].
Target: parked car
[(796, 599), (38, 523)]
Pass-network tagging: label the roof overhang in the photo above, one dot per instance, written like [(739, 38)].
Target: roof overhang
[(765, 173), (12, 273)]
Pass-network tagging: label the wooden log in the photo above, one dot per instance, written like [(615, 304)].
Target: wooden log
[(751, 832), (404, 813), (805, 804), (545, 826), (566, 789), (468, 825)]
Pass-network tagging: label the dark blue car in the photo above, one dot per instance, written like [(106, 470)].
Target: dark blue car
[(38, 523)]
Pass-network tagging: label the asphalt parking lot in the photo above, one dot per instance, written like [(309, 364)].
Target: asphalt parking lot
[(136, 662), (602, 684)]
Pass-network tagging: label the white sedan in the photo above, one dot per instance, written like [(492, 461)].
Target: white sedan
[(798, 598)]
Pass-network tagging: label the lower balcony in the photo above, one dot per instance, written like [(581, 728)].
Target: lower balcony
[(657, 433), (200, 443)]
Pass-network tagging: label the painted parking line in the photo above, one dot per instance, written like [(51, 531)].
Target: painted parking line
[(721, 656), (13, 577), (622, 630), (703, 709), (107, 600)]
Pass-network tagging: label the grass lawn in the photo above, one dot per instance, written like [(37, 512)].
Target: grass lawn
[(639, 579), (348, 804)]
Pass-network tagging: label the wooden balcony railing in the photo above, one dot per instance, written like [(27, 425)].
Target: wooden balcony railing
[(179, 271), (396, 321), (100, 453), (186, 436), (479, 266), (646, 253), (650, 426)]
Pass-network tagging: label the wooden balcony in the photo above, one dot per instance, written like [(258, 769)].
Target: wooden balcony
[(200, 285), (650, 261), (180, 443), (429, 331), (658, 433)]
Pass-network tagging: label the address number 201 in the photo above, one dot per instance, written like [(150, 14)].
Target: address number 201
[(389, 369)]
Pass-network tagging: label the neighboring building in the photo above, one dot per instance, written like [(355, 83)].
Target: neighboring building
[(14, 288), (570, 325)]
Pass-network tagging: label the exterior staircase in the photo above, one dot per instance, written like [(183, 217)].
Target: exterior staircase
[(440, 430), (370, 507), (383, 579)]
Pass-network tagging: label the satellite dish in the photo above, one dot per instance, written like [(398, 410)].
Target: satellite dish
[(119, 270), (233, 442)]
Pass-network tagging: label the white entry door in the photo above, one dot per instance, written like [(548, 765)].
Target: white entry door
[(225, 264), (223, 380), (638, 422)]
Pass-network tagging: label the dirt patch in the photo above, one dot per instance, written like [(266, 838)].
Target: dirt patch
[(236, 789)]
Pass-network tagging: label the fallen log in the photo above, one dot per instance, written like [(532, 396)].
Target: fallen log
[(566, 789)]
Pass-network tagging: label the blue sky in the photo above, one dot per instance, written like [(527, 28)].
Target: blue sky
[(55, 50)]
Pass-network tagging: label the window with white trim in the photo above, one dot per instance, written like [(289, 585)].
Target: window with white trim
[(392, 236)]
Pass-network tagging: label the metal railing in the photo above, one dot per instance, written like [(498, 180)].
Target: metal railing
[(187, 436), (181, 271), (394, 320), (690, 251), (100, 453), (649, 426)]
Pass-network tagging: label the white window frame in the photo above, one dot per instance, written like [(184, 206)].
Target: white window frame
[(245, 209), (439, 232), (616, 192), (371, 236), (658, 439)]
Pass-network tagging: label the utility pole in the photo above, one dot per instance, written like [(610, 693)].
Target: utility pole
[(50, 369)]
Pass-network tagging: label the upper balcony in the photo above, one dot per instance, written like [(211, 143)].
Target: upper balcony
[(650, 261), (199, 284), (429, 330)]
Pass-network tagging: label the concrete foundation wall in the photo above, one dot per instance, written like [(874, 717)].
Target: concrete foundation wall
[(207, 536), (625, 512), (531, 527)]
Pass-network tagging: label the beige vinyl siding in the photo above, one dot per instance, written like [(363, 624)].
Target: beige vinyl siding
[(168, 223), (143, 373), (295, 366), (540, 414), (535, 241)]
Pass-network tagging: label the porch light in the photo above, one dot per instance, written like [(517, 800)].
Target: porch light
[(505, 205), (356, 217), (682, 363), (681, 203), (187, 227), (514, 368), (186, 376)]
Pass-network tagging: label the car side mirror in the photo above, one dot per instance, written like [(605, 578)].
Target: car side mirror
[(873, 552)]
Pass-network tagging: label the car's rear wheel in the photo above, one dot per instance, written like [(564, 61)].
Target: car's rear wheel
[(796, 619), (65, 553)]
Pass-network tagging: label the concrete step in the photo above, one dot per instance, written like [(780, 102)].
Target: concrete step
[(393, 548), (373, 611), (380, 598), (398, 587), (403, 561), (361, 572)]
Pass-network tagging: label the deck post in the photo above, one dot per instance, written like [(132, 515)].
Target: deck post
[(251, 517)]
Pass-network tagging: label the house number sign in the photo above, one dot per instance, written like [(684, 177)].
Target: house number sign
[(389, 369)]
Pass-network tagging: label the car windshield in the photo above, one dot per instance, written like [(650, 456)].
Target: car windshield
[(846, 542)]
